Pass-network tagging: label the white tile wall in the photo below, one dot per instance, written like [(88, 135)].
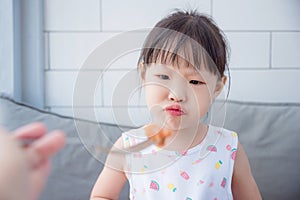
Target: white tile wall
[(264, 38), (126, 61), (265, 85), (70, 50), (286, 50), (122, 88), (60, 86), (72, 15), (257, 15), (249, 50), (135, 14)]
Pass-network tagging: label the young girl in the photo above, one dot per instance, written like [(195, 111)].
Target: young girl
[(182, 67)]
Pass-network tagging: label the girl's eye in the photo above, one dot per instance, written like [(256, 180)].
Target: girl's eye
[(195, 82), (163, 77)]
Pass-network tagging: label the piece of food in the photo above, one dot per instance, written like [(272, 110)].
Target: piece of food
[(157, 134)]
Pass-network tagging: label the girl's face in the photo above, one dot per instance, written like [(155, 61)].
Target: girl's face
[(178, 97)]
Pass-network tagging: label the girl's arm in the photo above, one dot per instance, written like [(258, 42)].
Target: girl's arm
[(112, 178), (243, 184)]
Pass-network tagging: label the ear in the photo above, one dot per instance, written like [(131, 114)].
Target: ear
[(142, 71), (219, 87)]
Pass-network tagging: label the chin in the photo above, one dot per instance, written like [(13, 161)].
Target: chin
[(175, 123)]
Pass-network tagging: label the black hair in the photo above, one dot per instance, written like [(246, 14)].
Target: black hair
[(189, 35)]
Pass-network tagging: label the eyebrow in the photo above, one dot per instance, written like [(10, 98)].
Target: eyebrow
[(192, 72)]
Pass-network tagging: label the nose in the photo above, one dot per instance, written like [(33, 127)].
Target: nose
[(177, 95)]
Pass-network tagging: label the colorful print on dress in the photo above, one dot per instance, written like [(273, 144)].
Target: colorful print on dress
[(154, 185), (211, 148), (144, 168), (200, 182), (184, 175), (223, 183), (126, 142), (234, 134), (172, 187), (233, 154), (181, 153), (137, 155), (228, 147), (196, 161), (218, 164)]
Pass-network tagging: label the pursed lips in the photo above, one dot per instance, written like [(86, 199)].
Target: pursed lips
[(175, 110)]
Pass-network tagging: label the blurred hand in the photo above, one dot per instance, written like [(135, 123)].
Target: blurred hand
[(31, 162)]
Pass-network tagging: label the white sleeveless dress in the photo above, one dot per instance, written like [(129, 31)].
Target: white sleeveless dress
[(202, 172)]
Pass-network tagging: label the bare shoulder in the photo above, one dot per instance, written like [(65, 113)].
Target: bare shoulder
[(112, 178), (243, 183), (116, 160), (119, 143), (241, 160)]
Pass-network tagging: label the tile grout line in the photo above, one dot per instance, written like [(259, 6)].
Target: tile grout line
[(211, 8), (102, 89), (100, 16), (271, 52), (46, 51), (47, 68)]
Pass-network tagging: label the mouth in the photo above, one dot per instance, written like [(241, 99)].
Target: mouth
[(175, 110)]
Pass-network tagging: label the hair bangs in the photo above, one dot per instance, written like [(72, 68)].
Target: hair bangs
[(173, 48)]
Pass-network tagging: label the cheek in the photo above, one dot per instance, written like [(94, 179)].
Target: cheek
[(154, 95), (202, 100)]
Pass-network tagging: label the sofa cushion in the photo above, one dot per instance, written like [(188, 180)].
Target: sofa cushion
[(270, 134), (75, 168)]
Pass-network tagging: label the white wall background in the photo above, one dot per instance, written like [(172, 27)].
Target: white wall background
[(264, 37)]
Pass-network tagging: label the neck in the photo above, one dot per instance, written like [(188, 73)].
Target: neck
[(187, 138)]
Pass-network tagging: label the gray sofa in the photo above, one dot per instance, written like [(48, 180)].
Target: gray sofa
[(270, 134)]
